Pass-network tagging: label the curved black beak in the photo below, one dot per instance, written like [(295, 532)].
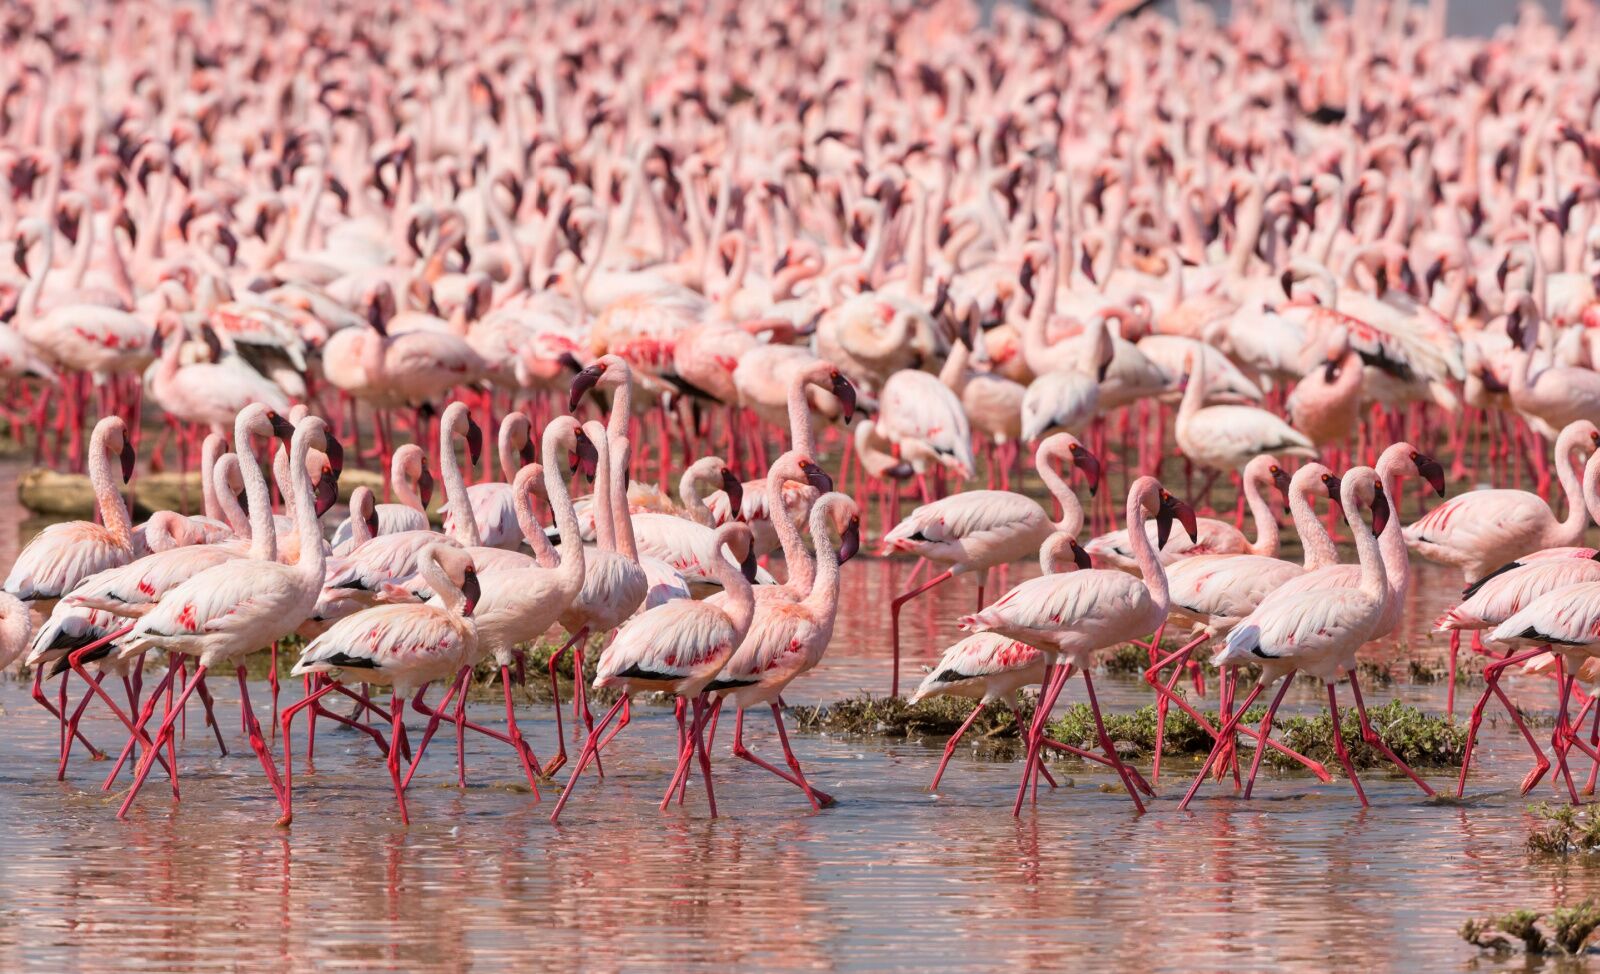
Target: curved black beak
[(1174, 509), (1080, 557), (817, 477), (1100, 373), (474, 441), (375, 319), (1083, 460), (471, 591), (281, 427), (1334, 486), (850, 540), (1380, 511), (372, 522), (735, 491), (213, 342), (128, 458), (1281, 480), (327, 491), (1430, 470), (585, 380), (782, 262), (570, 361), (587, 461), (846, 394), (425, 485), (748, 566), (335, 451), (526, 454)]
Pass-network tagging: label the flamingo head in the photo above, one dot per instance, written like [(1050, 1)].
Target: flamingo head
[(425, 484), (1083, 460), (327, 489), (1280, 480), (816, 476), (281, 427), (1331, 482), (1080, 557), (1173, 509), (586, 379), (585, 456), (735, 491), (845, 392), (474, 440), (471, 591), (1380, 509), (850, 539), (128, 458), (1430, 470)]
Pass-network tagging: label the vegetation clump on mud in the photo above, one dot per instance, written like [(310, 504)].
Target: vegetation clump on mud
[(1564, 931), (1568, 831), (1418, 738)]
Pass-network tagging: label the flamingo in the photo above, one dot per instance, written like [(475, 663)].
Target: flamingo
[(678, 648), (413, 488), (404, 647), (1317, 630), (977, 530), (1077, 614)]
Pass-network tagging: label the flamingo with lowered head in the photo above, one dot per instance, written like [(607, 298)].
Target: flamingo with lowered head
[(977, 530)]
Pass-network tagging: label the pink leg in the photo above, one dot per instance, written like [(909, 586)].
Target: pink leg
[(1371, 737), (1491, 675), (584, 756), (286, 719), (1264, 732), (1229, 727), (1338, 744), (258, 743), (894, 624), (163, 736), (949, 747), (1108, 746)]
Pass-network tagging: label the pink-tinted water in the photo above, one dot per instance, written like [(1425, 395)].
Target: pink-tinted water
[(894, 877)]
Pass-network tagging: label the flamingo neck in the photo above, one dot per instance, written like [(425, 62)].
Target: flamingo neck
[(1392, 542), (1314, 537), (209, 451), (1374, 580), (464, 524), (796, 558), (1071, 510), (1266, 542), (448, 591), (571, 570), (405, 484), (823, 600), (605, 531), (739, 604), (800, 435), (622, 518), (1571, 530), (313, 563), (263, 529), (113, 513), (690, 487), (1144, 553)]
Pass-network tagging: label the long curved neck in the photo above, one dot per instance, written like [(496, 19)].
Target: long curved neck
[(823, 599), (313, 562), (113, 513), (690, 486), (209, 451), (84, 252), (263, 529), (1071, 510), (797, 558), (572, 566), (1392, 542), (464, 525), (621, 517), (28, 303), (740, 603), (510, 428), (449, 592), (800, 435), (1266, 542), (405, 485), (1314, 537), (1374, 581), (1193, 393), (1577, 516), (605, 532), (621, 407), (1144, 553)]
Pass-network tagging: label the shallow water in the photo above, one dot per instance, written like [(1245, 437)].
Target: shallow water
[(892, 877)]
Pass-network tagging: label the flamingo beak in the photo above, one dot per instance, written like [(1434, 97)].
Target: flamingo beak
[(585, 380), (129, 458), (1281, 480), (474, 441), (588, 457), (375, 319), (471, 591), (1332, 483), (425, 486), (526, 453), (846, 394), (1081, 557), (372, 522), (782, 262), (817, 477), (281, 427), (735, 491), (1380, 511), (748, 566), (850, 540), (327, 491), (1089, 464), (1431, 471), (335, 451), (1163, 527)]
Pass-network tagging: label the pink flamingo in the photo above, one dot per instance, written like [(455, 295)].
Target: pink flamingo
[(786, 639), (1078, 614), (678, 648), (404, 647), (977, 530), (1318, 631), (230, 610)]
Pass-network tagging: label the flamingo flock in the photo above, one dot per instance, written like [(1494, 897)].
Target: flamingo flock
[(733, 293)]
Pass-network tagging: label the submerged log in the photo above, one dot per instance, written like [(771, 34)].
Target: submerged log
[(68, 495)]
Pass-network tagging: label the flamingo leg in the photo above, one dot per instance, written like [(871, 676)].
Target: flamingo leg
[(1491, 675), (1371, 737), (162, 738), (1266, 729), (1229, 726), (286, 719), (584, 756), (949, 746), (1338, 744), (894, 623), (1108, 746)]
